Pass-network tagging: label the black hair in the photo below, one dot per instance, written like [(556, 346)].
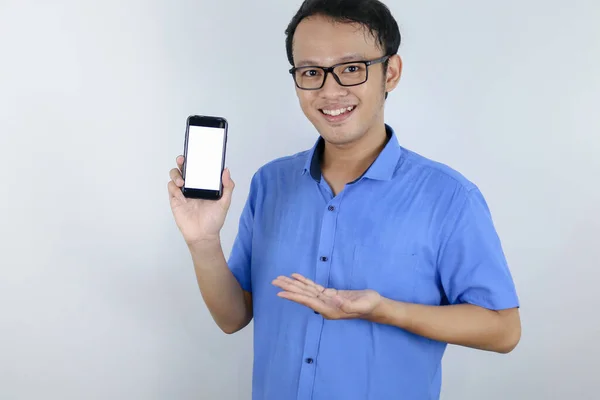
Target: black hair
[(372, 14)]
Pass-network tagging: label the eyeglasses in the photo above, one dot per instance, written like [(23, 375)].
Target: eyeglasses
[(352, 73)]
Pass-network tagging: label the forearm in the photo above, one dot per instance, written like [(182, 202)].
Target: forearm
[(463, 324), (222, 293)]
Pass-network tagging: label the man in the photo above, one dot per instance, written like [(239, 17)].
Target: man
[(359, 260)]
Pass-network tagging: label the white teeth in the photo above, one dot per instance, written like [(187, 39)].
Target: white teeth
[(335, 113)]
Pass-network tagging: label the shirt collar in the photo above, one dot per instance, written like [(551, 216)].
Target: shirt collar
[(382, 168)]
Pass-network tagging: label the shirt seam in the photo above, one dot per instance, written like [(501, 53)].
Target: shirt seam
[(465, 184)]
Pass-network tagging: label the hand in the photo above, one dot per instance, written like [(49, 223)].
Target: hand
[(330, 303), (197, 219)]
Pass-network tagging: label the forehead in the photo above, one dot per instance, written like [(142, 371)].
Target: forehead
[(323, 41)]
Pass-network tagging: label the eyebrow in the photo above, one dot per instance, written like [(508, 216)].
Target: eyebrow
[(346, 58)]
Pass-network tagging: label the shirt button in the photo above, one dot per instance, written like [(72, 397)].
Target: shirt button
[(324, 259), (331, 208), (309, 360)]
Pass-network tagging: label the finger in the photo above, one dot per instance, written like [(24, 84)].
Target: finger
[(175, 192), (175, 176), (179, 161), (294, 286), (308, 282), (304, 300), (228, 186), (309, 289), (309, 286)]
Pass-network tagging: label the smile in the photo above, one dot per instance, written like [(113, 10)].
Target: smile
[(335, 113)]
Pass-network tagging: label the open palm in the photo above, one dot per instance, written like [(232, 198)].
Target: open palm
[(330, 303)]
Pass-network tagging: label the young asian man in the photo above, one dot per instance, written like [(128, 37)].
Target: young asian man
[(359, 260)]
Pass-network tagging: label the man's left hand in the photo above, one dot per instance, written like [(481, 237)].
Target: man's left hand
[(330, 303)]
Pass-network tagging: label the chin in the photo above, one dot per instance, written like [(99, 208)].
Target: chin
[(337, 133)]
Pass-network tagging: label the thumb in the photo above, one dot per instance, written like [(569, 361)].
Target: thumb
[(228, 184)]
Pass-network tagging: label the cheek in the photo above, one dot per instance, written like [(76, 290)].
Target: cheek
[(372, 97), (306, 101)]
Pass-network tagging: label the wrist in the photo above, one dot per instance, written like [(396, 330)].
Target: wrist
[(204, 243), (389, 312), (379, 313)]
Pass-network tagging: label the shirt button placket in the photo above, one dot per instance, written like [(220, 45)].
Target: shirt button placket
[(313, 331)]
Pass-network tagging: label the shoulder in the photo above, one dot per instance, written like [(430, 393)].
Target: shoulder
[(283, 165), (281, 169), (438, 174), (439, 186)]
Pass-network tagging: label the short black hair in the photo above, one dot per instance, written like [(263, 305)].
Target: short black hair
[(372, 14)]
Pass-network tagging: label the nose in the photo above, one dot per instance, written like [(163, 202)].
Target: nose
[(331, 88)]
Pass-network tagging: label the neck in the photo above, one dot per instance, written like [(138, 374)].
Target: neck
[(351, 160)]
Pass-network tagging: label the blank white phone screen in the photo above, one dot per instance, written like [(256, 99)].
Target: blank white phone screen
[(204, 157)]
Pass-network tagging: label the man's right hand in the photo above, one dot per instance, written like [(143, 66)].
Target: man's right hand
[(198, 220)]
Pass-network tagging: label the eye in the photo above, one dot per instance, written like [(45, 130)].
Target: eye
[(310, 73), (353, 68)]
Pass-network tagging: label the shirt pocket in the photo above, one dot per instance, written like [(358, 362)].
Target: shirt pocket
[(393, 273)]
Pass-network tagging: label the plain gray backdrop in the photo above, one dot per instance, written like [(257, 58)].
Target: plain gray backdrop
[(98, 298)]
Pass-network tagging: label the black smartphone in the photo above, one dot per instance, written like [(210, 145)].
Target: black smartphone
[(204, 157)]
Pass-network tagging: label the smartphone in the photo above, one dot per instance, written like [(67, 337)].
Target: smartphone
[(204, 157)]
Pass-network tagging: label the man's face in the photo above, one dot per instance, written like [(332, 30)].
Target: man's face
[(319, 41)]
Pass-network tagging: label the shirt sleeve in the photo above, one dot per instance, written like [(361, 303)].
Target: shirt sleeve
[(472, 265), (240, 259)]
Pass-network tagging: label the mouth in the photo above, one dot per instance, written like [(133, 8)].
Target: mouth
[(337, 114)]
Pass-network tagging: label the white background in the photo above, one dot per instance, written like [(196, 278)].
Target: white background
[(98, 298), (204, 158)]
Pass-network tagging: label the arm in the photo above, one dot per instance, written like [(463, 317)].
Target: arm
[(225, 290), (226, 285), (473, 271), (229, 305), (462, 324), (483, 305)]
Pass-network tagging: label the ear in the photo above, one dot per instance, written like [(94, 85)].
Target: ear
[(394, 72)]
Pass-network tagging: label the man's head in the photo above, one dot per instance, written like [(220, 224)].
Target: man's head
[(325, 33)]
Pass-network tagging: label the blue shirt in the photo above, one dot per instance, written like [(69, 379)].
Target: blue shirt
[(410, 228)]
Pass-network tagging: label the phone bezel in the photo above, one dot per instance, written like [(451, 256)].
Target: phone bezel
[(210, 122)]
